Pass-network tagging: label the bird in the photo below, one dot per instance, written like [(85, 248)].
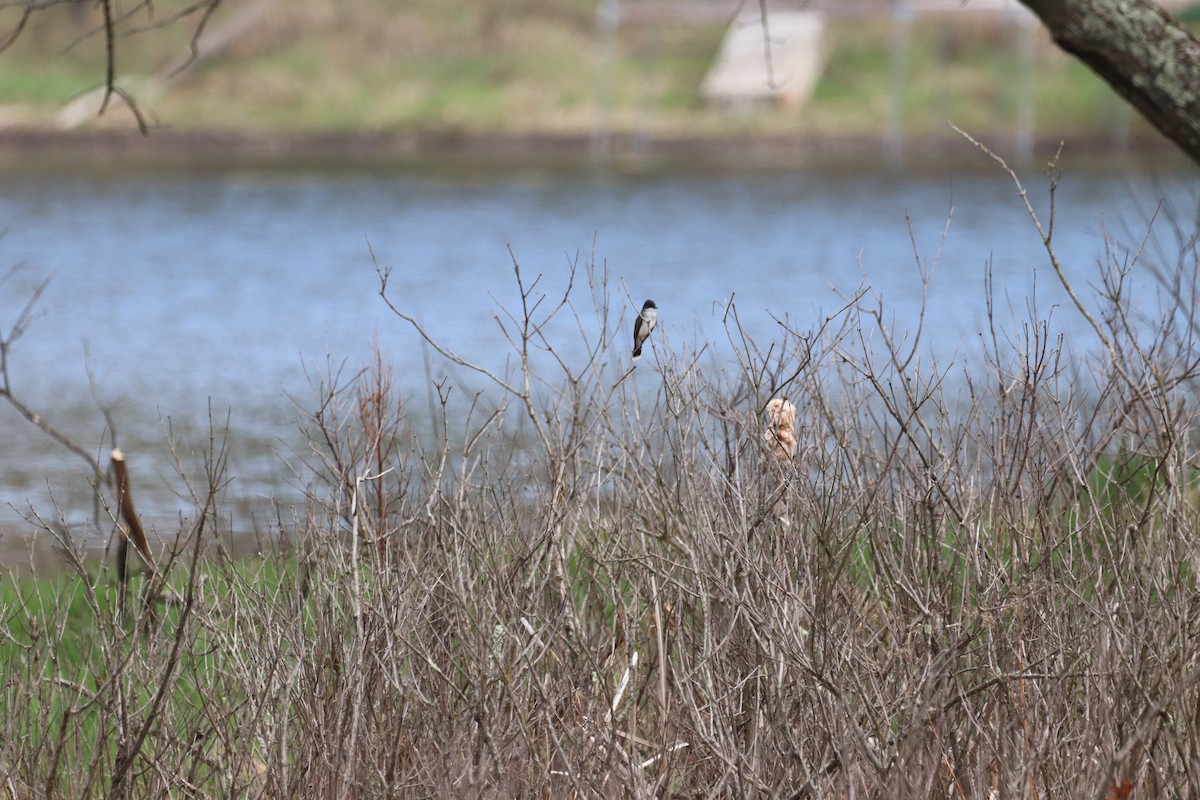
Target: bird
[(642, 326)]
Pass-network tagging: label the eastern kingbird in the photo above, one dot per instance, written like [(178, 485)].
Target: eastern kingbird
[(642, 326)]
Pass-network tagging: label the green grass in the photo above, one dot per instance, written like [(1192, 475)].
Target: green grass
[(47, 84), (76, 675)]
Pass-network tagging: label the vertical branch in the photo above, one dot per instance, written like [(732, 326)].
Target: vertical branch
[(380, 436), (110, 58)]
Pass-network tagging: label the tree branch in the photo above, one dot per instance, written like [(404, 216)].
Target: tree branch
[(1139, 50)]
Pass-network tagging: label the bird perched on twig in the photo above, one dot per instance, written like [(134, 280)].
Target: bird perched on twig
[(645, 322)]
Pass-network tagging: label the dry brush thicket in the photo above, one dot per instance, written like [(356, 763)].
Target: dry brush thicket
[(909, 580)]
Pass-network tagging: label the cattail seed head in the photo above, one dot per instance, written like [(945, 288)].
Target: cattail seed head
[(781, 428)]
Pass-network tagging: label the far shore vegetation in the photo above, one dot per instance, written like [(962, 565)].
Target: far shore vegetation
[(540, 67)]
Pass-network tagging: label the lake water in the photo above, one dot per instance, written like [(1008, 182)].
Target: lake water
[(182, 290)]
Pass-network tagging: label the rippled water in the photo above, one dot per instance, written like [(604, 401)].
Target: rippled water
[(183, 291)]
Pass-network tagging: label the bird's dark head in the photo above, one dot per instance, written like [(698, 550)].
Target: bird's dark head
[(648, 304)]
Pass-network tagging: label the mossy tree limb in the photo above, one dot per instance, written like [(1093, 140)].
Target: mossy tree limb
[(1142, 52)]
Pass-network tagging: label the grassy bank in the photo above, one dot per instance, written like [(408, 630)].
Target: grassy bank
[(936, 580), (535, 67)]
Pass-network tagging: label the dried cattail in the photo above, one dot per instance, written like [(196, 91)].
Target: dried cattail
[(781, 428), (132, 530)]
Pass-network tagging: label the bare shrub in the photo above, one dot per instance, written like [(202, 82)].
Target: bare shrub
[(918, 580)]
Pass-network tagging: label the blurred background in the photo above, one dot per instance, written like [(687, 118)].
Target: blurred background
[(626, 75)]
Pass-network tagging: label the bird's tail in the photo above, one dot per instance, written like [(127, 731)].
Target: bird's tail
[(637, 352)]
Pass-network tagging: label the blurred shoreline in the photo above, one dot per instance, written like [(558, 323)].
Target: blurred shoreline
[(34, 148)]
